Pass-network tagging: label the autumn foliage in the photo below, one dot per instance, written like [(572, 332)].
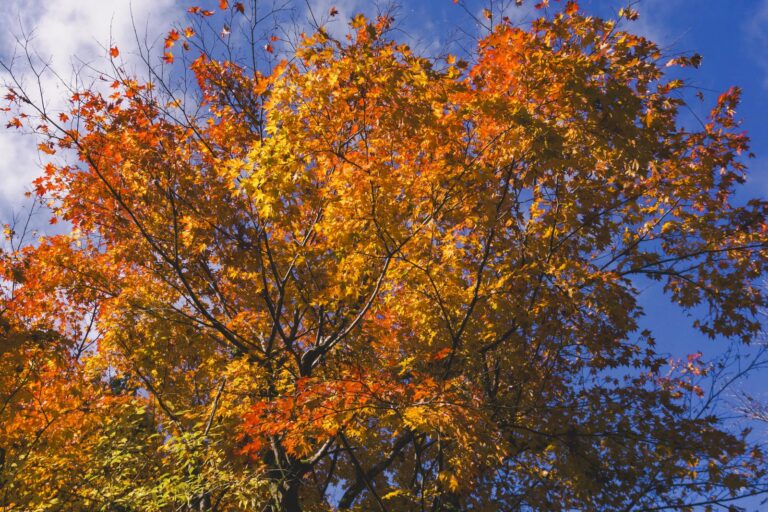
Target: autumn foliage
[(369, 280)]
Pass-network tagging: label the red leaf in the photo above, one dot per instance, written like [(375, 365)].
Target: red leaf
[(172, 37), (239, 7), (198, 10), (114, 52), (441, 354), (223, 4)]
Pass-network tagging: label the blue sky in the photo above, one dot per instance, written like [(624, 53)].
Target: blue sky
[(731, 35)]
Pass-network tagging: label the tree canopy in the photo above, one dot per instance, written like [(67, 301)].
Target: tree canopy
[(365, 279)]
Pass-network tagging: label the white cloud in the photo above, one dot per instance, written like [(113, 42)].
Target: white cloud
[(67, 34), (653, 22)]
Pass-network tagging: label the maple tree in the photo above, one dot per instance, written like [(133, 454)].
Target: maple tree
[(369, 280)]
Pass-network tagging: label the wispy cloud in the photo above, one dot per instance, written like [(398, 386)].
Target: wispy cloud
[(659, 21), (68, 35), (757, 35)]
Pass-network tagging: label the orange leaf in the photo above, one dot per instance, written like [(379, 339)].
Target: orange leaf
[(46, 148), (201, 12), (171, 38), (441, 354), (114, 52)]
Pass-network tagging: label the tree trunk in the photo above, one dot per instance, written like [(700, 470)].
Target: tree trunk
[(286, 496)]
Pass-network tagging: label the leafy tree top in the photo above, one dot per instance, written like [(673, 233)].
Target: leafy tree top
[(372, 280)]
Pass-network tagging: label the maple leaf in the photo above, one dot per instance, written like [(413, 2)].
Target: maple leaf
[(200, 11), (171, 38), (629, 13), (114, 52)]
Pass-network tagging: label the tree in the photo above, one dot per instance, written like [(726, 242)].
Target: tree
[(371, 280)]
